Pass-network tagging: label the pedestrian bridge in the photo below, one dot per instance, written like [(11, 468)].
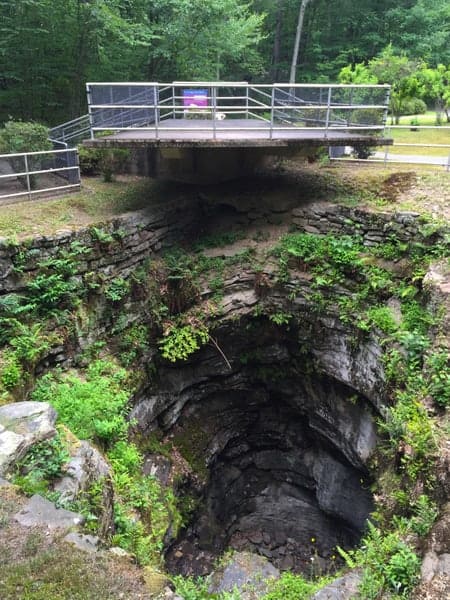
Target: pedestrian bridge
[(178, 124)]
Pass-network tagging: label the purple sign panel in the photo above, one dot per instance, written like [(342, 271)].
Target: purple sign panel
[(197, 98)]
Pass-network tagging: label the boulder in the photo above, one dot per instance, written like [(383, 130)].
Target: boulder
[(247, 572), (86, 543), (41, 512), (343, 588), (84, 468), (23, 424)]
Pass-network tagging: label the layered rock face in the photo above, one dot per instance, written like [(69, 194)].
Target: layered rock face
[(279, 446)]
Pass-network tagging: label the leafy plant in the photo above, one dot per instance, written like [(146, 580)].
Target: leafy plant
[(388, 564), (42, 464), (117, 289), (293, 586), (180, 341), (93, 408), (438, 371)]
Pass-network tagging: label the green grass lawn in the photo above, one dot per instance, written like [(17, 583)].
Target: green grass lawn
[(97, 201), (428, 118), (421, 136)]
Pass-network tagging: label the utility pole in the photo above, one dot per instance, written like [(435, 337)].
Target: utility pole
[(298, 36)]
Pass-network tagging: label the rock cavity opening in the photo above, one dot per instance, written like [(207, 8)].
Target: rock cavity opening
[(278, 449)]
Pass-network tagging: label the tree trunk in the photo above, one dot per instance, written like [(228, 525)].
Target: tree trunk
[(298, 36), (277, 41)]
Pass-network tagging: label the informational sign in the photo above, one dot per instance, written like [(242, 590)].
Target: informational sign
[(195, 98)]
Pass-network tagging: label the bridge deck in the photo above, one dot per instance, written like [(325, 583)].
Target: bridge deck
[(233, 133)]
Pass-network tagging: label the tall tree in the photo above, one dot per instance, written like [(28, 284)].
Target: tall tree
[(298, 36)]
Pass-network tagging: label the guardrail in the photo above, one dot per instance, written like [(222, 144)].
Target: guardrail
[(154, 106), (72, 132), (423, 159), (30, 173)]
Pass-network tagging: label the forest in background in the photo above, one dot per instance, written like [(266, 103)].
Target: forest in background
[(50, 48)]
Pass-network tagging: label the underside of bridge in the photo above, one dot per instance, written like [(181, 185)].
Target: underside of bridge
[(203, 152)]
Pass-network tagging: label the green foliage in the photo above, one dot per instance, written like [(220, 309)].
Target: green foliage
[(10, 370), (180, 341), (142, 494), (294, 586), (112, 161), (388, 564), (133, 342), (42, 464), (437, 367), (89, 159), (93, 408), (18, 136), (380, 317), (280, 318), (190, 588), (117, 289), (425, 513)]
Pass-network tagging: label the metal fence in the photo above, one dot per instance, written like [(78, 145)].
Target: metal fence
[(155, 107), (421, 158), (71, 133), (34, 173)]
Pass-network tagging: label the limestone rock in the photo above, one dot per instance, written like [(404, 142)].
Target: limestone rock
[(86, 543), (435, 565), (85, 467), (23, 424), (247, 572), (343, 588), (41, 512)]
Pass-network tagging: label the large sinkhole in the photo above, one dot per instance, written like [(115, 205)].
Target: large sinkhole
[(277, 446)]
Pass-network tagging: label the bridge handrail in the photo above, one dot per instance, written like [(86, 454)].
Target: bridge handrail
[(120, 106)]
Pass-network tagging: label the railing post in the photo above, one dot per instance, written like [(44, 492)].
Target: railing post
[(174, 114), (89, 102), (156, 108), (246, 101), (214, 108), (27, 176), (386, 108), (327, 120), (272, 112)]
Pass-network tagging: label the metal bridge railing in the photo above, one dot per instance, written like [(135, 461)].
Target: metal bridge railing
[(422, 158), (31, 173), (278, 107), (71, 133)]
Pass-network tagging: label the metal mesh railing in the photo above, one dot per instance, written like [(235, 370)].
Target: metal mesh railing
[(140, 106), (34, 173)]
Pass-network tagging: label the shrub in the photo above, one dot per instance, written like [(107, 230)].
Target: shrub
[(21, 136), (89, 160), (113, 161), (18, 136), (414, 106)]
